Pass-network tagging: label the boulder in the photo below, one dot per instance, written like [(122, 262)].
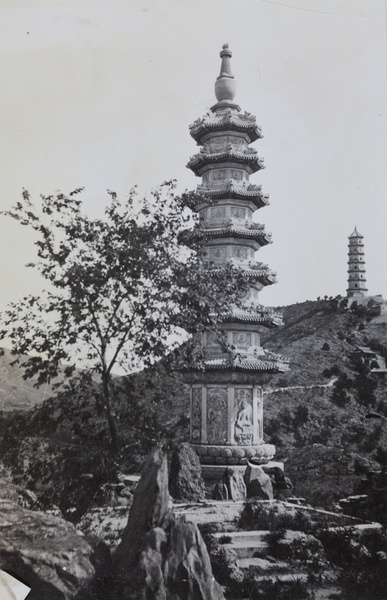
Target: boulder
[(282, 486), (258, 483), (185, 479), (43, 551), (236, 486)]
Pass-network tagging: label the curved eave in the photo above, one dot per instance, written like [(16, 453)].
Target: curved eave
[(199, 162), (260, 366), (250, 316), (252, 193), (201, 130), (264, 276), (261, 237)]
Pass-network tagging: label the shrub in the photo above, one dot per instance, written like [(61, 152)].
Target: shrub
[(334, 370), (225, 539), (256, 515), (278, 590), (381, 455), (340, 394), (301, 415)]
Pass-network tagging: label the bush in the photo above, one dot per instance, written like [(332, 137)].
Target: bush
[(381, 455), (225, 539), (301, 415), (256, 515), (278, 590), (340, 394), (334, 370)]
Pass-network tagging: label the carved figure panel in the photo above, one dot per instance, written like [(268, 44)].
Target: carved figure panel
[(238, 175), (196, 415), (218, 212), (237, 212), (243, 416), (239, 252), (212, 339), (218, 254), (241, 339), (245, 296), (219, 174), (217, 415)]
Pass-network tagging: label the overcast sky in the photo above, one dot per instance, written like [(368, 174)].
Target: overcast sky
[(100, 94)]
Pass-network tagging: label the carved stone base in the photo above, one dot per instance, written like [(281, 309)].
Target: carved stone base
[(213, 474), (234, 455)]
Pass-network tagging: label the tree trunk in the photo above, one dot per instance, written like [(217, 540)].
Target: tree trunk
[(114, 434)]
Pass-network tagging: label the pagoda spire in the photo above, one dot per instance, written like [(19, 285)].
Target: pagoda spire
[(225, 84)]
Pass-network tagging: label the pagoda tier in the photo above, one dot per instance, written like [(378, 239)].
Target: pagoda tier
[(256, 235), (226, 391), (247, 158), (232, 189), (212, 123)]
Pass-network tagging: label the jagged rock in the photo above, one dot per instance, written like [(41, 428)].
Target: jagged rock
[(220, 491), (187, 568), (43, 551), (236, 486), (282, 486), (185, 479), (149, 510), (158, 558), (258, 484)]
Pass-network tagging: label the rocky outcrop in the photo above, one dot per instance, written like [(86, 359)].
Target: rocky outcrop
[(187, 567), (149, 509), (44, 551), (185, 479), (234, 480), (282, 486), (258, 484), (159, 558)]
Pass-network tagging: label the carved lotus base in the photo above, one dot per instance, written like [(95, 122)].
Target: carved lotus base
[(234, 455)]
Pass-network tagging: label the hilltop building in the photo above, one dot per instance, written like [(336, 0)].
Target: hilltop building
[(357, 291), (227, 398), (356, 266)]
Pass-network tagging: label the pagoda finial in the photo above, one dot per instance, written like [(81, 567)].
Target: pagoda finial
[(225, 85)]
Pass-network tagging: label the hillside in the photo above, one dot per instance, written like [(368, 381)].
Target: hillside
[(327, 441), (308, 326), (17, 393), (320, 428)]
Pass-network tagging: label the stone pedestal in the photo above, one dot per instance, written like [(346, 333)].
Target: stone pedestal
[(226, 424)]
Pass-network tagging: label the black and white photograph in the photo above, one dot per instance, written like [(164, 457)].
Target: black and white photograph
[(193, 300)]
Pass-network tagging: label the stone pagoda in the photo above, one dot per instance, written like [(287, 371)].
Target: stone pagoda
[(356, 267), (227, 397)]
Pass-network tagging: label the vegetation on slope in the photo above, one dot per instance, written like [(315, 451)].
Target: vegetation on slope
[(61, 449)]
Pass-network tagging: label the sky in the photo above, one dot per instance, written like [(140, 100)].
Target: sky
[(100, 95)]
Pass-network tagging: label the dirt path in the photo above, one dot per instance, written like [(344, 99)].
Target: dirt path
[(301, 387)]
